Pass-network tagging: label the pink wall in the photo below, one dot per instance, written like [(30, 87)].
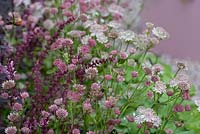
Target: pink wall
[(182, 20)]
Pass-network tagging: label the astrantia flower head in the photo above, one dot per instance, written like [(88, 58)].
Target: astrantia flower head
[(101, 38), (58, 101), (160, 87), (17, 106), (127, 36), (8, 84), (61, 113), (11, 130), (160, 33), (13, 117), (114, 24), (91, 72), (25, 130), (76, 33), (147, 115)]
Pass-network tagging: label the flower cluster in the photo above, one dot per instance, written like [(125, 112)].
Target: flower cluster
[(79, 66)]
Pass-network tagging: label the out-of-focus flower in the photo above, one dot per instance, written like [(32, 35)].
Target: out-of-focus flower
[(160, 87), (127, 36), (58, 101), (160, 33), (17, 106), (8, 84), (13, 117), (25, 130), (11, 130), (61, 113)]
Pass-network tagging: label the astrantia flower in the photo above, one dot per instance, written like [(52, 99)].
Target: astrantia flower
[(101, 38), (11, 130), (110, 102), (17, 106), (116, 10), (87, 106), (25, 130), (147, 115), (13, 117), (127, 35), (76, 33), (8, 84), (114, 24), (61, 65), (53, 108), (24, 95), (91, 72), (85, 49), (58, 101), (96, 29), (141, 41), (61, 113), (160, 33), (160, 87), (90, 132), (75, 131), (85, 39)]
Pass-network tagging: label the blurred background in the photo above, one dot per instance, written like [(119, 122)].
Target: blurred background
[(181, 18)]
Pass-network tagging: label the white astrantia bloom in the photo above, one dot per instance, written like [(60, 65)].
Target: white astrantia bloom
[(160, 33), (8, 84), (141, 41), (84, 39), (102, 38), (97, 29), (88, 23), (143, 114), (160, 87), (114, 24), (127, 35)]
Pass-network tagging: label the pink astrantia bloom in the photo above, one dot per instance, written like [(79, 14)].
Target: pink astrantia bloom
[(87, 106), (85, 49), (61, 113), (25, 130), (108, 77), (110, 102), (53, 108), (91, 72), (147, 115), (13, 117), (17, 106), (120, 78), (11, 130), (61, 65), (75, 131), (24, 95)]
